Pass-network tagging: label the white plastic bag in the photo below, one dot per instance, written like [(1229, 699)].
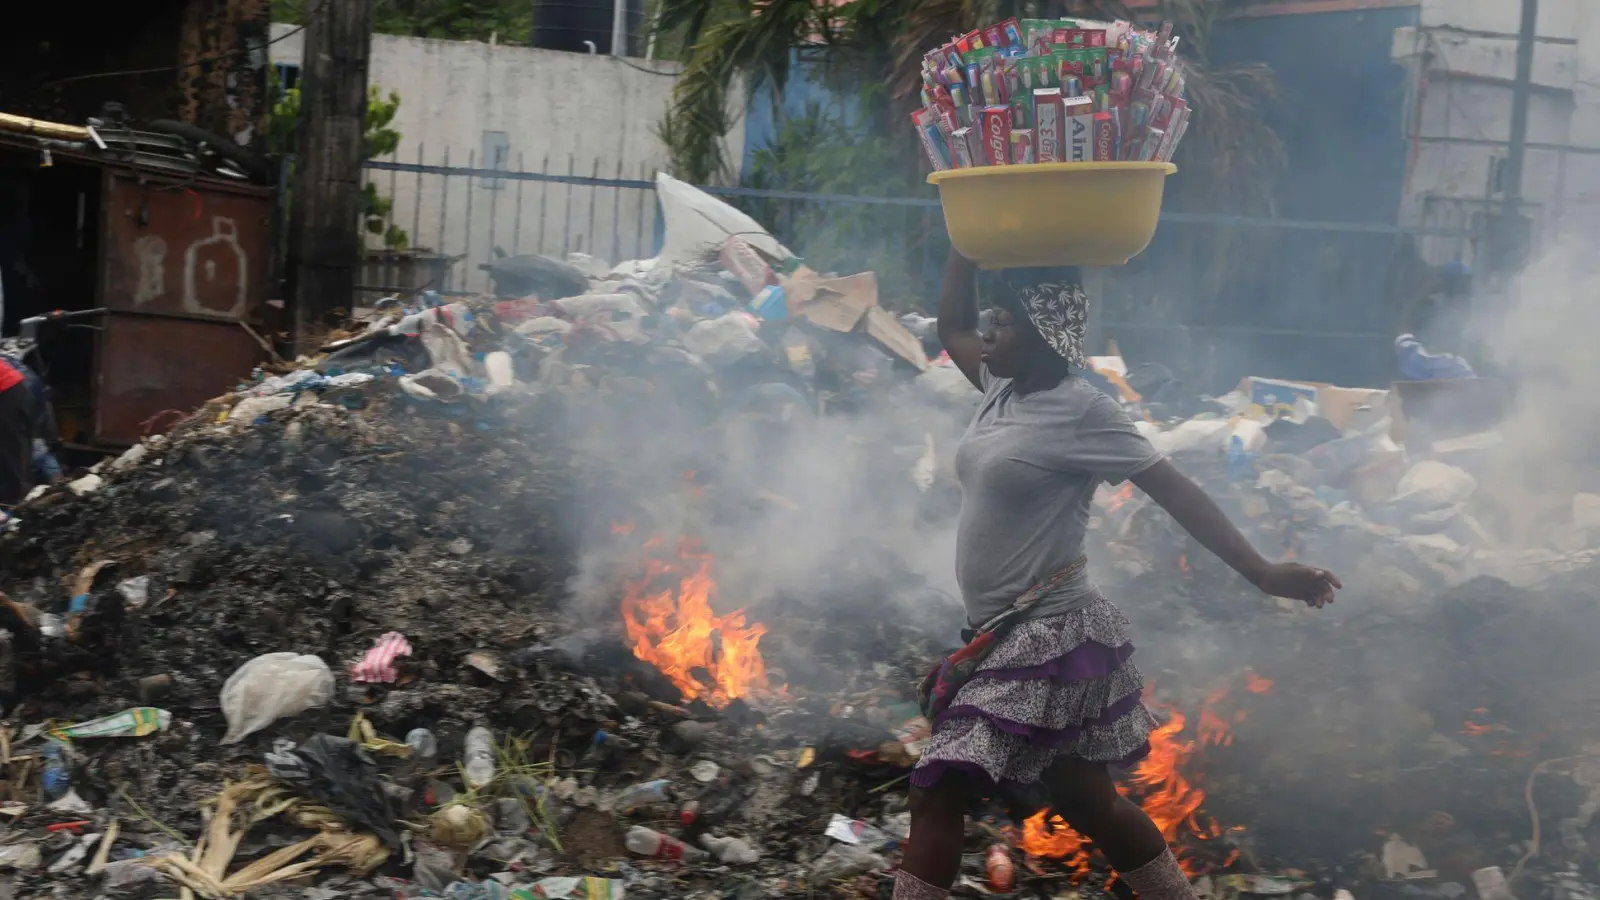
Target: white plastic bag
[(698, 223), (723, 340), (1431, 484), (271, 687)]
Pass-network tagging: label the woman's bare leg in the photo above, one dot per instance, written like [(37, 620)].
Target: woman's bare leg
[(1087, 798), (932, 855)]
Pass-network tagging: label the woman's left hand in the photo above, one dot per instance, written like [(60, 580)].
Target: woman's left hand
[(1313, 587)]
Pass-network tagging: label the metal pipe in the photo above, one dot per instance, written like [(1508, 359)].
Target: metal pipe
[(619, 27)]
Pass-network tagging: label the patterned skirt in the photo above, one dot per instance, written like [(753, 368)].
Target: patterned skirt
[(1057, 686)]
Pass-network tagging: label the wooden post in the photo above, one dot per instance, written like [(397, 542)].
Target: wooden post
[(325, 207)]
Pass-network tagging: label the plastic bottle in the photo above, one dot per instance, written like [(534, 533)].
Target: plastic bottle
[(649, 842), (424, 746), (643, 794), (478, 759), (730, 850), (1002, 875), (56, 779)]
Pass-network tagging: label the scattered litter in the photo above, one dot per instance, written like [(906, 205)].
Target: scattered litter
[(270, 687), (378, 666)]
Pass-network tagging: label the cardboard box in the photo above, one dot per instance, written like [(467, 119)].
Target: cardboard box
[(1273, 398), (1345, 408)]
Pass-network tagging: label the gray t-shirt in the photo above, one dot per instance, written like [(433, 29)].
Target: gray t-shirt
[(1028, 467)]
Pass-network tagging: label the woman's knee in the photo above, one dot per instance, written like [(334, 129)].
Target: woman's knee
[(1083, 793), (946, 797)]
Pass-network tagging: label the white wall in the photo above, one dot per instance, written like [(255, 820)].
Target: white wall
[(560, 113), (1463, 59)]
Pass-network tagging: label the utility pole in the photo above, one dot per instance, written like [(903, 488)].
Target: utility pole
[(1510, 231), (325, 207)]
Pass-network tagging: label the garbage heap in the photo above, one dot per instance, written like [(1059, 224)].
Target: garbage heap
[(408, 620)]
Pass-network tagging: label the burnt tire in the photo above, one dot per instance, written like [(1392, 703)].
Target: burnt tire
[(249, 163)]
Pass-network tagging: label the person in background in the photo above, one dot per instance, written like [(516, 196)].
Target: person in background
[(1439, 316), (46, 469), (16, 435), (1044, 690)]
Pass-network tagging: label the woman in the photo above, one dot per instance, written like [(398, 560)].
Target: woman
[(1045, 691)]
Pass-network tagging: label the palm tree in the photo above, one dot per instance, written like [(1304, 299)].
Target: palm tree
[(726, 40), (1233, 156)]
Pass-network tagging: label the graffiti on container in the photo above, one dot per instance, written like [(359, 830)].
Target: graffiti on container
[(151, 252), (216, 266), (215, 271)]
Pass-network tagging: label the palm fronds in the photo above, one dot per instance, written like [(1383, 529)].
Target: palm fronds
[(757, 46)]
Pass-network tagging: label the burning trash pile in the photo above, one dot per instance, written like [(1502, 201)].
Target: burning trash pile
[(521, 597)]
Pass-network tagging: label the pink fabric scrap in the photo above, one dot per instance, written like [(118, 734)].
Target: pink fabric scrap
[(378, 665)]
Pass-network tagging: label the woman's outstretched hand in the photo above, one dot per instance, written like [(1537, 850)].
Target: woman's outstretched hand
[(1313, 587)]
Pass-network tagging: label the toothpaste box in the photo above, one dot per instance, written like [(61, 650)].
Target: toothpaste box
[(996, 135), (1105, 137), (1021, 146), (1047, 125), (1077, 121)]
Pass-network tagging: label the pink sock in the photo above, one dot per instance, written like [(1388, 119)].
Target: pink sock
[(1159, 879), (910, 887)]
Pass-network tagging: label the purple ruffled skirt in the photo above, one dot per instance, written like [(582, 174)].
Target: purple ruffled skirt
[(1057, 686)]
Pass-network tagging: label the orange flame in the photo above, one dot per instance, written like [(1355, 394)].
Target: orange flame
[(1169, 799), (675, 630), (1049, 837), (1255, 684), (1183, 564), (1211, 729), (622, 529), (1115, 499), (1158, 784)]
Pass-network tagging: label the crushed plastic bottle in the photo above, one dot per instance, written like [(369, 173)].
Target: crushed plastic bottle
[(56, 779), (843, 861), (642, 794), (424, 746), (730, 850), (478, 757), (649, 842), (1002, 874)]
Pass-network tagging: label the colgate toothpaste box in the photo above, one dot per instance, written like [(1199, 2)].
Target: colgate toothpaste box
[(1047, 125), (1105, 138), (997, 135)]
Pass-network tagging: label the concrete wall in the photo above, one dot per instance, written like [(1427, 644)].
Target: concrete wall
[(1462, 59), (538, 110)]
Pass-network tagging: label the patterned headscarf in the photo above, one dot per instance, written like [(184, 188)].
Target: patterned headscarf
[(1057, 306)]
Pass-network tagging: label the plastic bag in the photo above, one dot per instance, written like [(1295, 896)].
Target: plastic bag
[(723, 341), (845, 860), (270, 687), (345, 779), (1431, 484), (698, 224)]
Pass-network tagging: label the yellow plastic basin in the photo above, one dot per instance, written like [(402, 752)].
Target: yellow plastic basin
[(1052, 214)]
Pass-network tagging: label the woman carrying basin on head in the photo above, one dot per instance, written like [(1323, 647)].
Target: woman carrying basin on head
[(1045, 690)]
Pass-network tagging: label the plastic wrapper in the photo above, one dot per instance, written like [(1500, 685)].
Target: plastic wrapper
[(1124, 89), (271, 687)]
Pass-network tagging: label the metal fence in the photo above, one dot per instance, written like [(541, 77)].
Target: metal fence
[(1298, 298)]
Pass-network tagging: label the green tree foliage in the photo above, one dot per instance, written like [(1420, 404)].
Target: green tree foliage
[(381, 139), (817, 153), (510, 21)]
